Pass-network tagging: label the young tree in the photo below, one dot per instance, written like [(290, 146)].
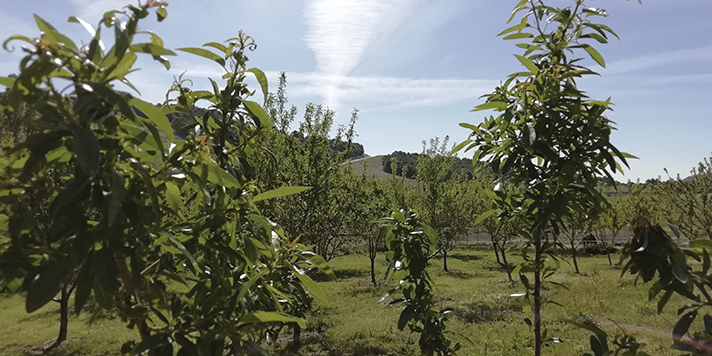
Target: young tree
[(410, 244), (444, 198), (549, 138), (140, 208), (688, 202), (574, 226)]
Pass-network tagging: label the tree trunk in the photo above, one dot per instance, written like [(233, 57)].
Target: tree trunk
[(505, 264), (573, 256), (373, 269), (297, 337), (538, 342), (608, 249), (445, 260), (63, 318), (63, 315), (496, 251)]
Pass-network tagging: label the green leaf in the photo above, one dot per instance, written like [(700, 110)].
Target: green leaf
[(270, 317), (407, 315), (247, 286), (528, 63), (312, 286), (217, 175), (460, 146), (16, 37), (161, 13), (86, 149), (156, 115), (485, 215), (204, 53), (594, 55), (595, 36), (155, 39), (52, 34), (496, 105), (263, 121), (173, 197), (663, 301), (152, 49), (8, 82), (320, 263), (516, 36), (279, 192), (683, 325), (218, 46), (69, 194), (182, 249), (262, 79), (701, 244), (48, 283)]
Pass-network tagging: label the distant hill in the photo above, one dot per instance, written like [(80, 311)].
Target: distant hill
[(375, 167)]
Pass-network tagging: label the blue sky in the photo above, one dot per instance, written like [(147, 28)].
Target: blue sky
[(415, 68)]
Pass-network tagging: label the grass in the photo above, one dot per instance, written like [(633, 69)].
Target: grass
[(356, 323)]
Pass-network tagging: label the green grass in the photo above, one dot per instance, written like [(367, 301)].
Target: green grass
[(26, 334), (356, 323)]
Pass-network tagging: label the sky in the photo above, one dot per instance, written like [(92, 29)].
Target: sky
[(414, 68)]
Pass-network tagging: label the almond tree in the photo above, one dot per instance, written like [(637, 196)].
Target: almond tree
[(140, 208), (548, 139)]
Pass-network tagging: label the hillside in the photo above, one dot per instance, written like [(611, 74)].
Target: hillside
[(375, 169)]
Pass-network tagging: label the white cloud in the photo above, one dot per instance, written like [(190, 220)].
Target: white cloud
[(340, 32), (386, 90), (656, 60), (92, 11)]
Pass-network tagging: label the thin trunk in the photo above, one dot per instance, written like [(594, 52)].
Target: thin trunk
[(445, 260), (506, 266), (496, 251), (573, 256), (538, 342), (63, 317), (608, 249), (373, 269), (297, 338)]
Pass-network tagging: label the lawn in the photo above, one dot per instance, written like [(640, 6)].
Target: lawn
[(356, 323)]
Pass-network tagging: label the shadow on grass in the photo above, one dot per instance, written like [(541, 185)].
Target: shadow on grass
[(341, 274), (456, 273), (464, 257), (36, 316), (485, 312)]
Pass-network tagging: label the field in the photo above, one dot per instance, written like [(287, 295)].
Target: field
[(356, 323)]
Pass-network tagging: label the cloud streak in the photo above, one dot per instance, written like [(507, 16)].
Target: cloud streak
[(656, 60), (387, 90), (340, 32)]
